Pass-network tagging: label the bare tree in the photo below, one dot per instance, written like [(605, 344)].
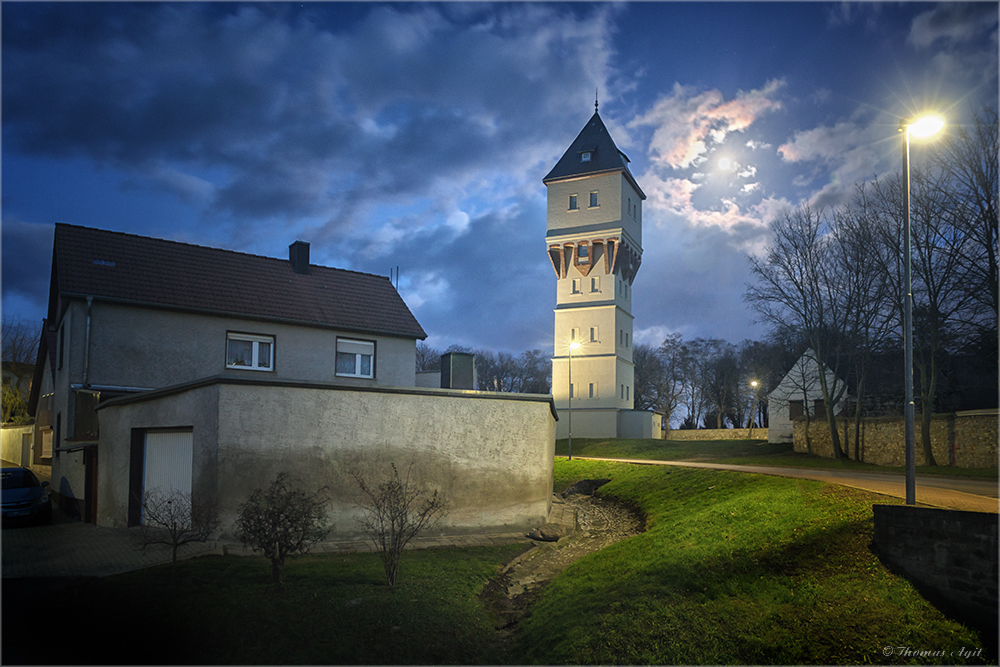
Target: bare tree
[(648, 378), (801, 290), (173, 520), (281, 521), (395, 511), (967, 158), (20, 347), (673, 356), (428, 359)]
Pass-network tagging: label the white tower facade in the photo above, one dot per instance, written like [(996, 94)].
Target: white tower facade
[(594, 236)]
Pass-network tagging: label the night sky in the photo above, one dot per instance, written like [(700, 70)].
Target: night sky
[(417, 136)]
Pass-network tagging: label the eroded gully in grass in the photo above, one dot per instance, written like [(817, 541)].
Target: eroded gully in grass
[(600, 522)]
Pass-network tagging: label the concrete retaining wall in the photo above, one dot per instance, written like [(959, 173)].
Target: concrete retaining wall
[(716, 434), (489, 455), (963, 439), (950, 555)]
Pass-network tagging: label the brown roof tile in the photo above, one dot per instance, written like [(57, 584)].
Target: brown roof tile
[(141, 270)]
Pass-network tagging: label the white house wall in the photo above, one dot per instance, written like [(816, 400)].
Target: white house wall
[(801, 383), (145, 347), (490, 457)]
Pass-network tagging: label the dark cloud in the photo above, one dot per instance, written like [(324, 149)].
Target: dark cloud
[(288, 109), (27, 261)]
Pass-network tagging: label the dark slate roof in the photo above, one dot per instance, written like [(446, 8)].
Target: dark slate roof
[(152, 272), (605, 156)]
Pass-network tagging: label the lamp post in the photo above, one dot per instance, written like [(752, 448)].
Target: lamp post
[(572, 346), (753, 408), (924, 126)]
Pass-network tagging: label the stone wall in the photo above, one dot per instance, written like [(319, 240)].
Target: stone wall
[(950, 555), (716, 434), (963, 439)]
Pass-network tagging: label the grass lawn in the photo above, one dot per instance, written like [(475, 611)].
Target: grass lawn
[(332, 609), (741, 452), (734, 568)]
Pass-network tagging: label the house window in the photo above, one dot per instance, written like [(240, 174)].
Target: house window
[(795, 410), (46, 444), (572, 203), (585, 156), (355, 358), (593, 200), (249, 352)]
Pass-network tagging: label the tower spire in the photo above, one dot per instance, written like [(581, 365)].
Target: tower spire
[(596, 90)]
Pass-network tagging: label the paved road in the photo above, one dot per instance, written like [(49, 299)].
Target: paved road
[(974, 495)]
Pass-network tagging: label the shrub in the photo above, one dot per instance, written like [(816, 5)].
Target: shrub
[(395, 511), (281, 520)]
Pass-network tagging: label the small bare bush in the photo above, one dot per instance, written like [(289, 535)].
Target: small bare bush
[(281, 521), (395, 511), (171, 519)]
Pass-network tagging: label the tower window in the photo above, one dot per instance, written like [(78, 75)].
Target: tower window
[(593, 335), (595, 284), (593, 199), (572, 203), (577, 288), (593, 390), (584, 254)]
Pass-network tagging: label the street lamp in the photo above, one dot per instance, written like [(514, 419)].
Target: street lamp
[(572, 346), (753, 408), (923, 126)]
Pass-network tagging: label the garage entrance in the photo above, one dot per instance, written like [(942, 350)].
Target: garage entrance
[(162, 460)]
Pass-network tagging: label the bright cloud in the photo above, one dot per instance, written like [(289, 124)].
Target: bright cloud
[(687, 122)]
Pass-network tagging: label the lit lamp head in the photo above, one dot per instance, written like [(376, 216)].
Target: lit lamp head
[(924, 126), (753, 384), (574, 346)]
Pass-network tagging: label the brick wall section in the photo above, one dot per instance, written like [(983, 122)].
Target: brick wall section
[(716, 434), (950, 555), (963, 439)]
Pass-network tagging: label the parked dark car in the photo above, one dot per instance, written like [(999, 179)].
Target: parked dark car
[(24, 497)]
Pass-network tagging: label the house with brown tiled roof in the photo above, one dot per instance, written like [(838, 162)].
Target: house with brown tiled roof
[(188, 370), (130, 314)]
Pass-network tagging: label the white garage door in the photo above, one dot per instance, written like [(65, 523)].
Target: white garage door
[(169, 461)]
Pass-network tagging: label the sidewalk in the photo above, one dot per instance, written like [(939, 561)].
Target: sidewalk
[(971, 495)]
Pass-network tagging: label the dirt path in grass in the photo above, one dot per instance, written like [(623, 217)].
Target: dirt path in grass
[(599, 523)]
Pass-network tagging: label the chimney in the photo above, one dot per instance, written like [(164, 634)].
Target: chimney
[(298, 255)]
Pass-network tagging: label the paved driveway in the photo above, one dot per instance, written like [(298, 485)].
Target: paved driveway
[(68, 548), (974, 495)]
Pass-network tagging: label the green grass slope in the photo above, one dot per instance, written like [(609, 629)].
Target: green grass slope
[(734, 569)]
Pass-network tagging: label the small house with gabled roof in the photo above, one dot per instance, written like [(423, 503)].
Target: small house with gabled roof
[(130, 314)]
